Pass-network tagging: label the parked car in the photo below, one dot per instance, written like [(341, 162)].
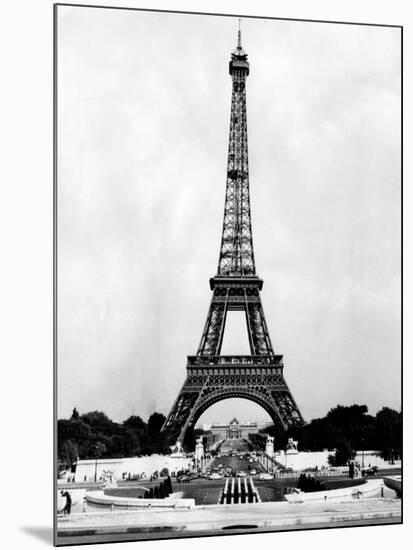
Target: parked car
[(253, 472), (215, 475), (372, 471), (241, 474), (264, 476), (184, 479)]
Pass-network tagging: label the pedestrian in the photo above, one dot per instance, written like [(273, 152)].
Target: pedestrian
[(68, 506)]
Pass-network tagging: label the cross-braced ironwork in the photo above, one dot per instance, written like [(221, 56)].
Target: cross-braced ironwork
[(212, 377)]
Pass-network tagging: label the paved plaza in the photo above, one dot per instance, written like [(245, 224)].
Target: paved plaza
[(226, 518)]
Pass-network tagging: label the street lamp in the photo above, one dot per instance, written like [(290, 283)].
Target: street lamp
[(98, 452), (362, 451), (96, 462)]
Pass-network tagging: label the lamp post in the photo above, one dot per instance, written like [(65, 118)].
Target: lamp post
[(99, 449), (96, 462), (362, 452)]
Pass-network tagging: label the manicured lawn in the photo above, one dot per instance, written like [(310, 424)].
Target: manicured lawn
[(342, 483), (132, 492)]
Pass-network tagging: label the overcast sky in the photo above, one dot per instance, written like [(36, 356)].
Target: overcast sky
[(144, 104)]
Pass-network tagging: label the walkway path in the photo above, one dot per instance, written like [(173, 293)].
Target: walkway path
[(204, 520)]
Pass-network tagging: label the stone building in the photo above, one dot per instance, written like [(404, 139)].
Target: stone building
[(235, 429)]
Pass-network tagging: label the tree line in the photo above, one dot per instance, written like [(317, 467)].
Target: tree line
[(347, 429), (93, 435)]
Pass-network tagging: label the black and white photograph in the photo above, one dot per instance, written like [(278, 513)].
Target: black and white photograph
[(227, 274)]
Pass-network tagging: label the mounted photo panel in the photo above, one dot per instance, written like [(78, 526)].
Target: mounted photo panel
[(198, 156)]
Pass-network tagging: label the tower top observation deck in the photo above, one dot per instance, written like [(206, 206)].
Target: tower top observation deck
[(239, 64)]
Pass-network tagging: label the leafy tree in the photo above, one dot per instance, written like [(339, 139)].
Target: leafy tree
[(169, 489), (155, 423), (309, 484), (344, 417), (389, 432), (100, 449), (193, 434), (343, 454), (136, 433), (75, 431), (67, 452), (136, 423), (162, 493), (159, 442), (97, 420)]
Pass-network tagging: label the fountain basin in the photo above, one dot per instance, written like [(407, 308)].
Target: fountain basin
[(369, 489), (98, 497)]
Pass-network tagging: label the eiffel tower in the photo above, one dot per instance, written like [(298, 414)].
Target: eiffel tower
[(212, 377)]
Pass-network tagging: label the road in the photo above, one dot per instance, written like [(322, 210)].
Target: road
[(207, 491)]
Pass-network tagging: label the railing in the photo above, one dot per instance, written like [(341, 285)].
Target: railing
[(87, 485), (314, 473), (271, 465), (261, 360)]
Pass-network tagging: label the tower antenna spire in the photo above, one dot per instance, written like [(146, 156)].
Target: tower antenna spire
[(239, 33)]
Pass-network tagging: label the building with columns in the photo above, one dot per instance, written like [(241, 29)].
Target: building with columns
[(235, 429)]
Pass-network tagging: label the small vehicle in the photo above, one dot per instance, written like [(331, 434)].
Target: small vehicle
[(372, 471), (250, 460), (265, 477), (241, 474), (215, 475), (184, 479), (253, 472)]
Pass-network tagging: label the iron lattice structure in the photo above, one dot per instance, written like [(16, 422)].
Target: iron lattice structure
[(212, 377)]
